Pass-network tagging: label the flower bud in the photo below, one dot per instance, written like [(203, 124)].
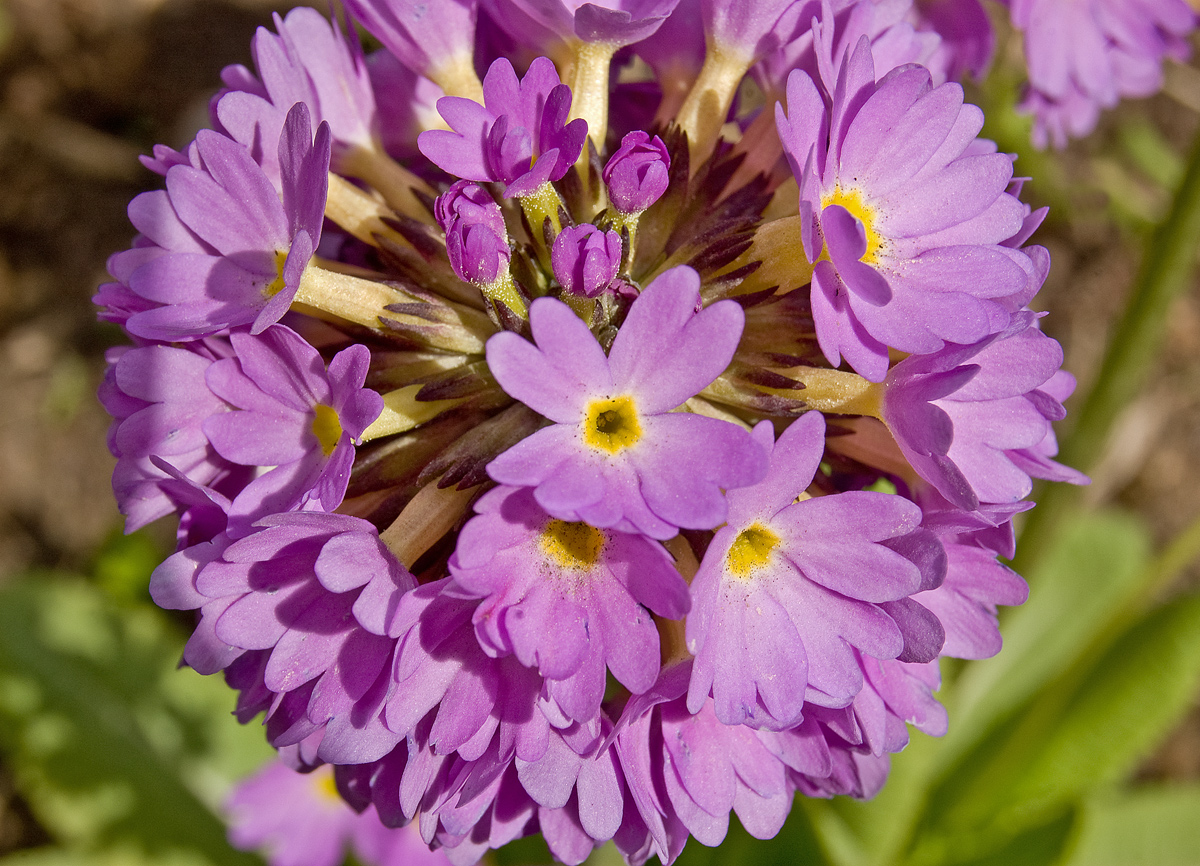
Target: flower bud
[(586, 259), (476, 239), (636, 174)]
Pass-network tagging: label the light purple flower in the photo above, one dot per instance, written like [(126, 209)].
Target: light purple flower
[(568, 600), (519, 136), (159, 401), (904, 214), (426, 37), (309, 61), (585, 259), (788, 590), (476, 239), (636, 175), (967, 39), (1084, 55), (617, 456), (970, 418), (616, 22), (749, 30), (227, 251), (295, 416)]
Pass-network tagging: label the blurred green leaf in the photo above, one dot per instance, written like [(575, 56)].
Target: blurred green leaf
[(1074, 592), (123, 565), (796, 843), (1155, 827), (1078, 733), (108, 741)]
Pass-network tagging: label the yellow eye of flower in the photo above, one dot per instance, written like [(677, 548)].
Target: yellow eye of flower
[(327, 427), (750, 551), (574, 546), (852, 201), (612, 425)]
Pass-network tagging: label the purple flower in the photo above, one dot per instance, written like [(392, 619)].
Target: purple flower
[(295, 416), (617, 22), (585, 259), (519, 136), (616, 455), (967, 38), (566, 598), (436, 40), (476, 240), (309, 61), (636, 175), (751, 30), (971, 418), (903, 215), (302, 820), (227, 252), (159, 401), (1085, 55), (787, 589)]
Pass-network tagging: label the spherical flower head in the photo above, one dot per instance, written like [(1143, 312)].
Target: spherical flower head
[(788, 587), (295, 416), (476, 240), (585, 259), (568, 599), (519, 136), (617, 455), (229, 248), (637, 174)]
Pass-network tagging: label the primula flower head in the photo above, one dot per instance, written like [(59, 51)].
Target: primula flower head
[(546, 479)]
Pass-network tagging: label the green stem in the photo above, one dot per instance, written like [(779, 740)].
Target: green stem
[(1166, 271)]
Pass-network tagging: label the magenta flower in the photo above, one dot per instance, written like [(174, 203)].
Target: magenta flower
[(476, 240), (519, 136), (586, 260), (636, 175), (616, 455), (909, 209)]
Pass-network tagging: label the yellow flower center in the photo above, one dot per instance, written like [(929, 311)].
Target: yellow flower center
[(612, 425), (852, 201), (276, 285), (750, 551), (573, 546), (327, 427)]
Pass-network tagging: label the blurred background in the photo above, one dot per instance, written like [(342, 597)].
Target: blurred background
[(108, 755)]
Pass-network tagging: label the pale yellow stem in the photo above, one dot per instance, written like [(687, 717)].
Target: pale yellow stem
[(430, 515), (589, 89), (704, 111), (358, 212), (672, 633), (456, 76), (346, 297), (403, 411), (397, 185), (779, 247), (505, 290), (539, 206), (836, 392)]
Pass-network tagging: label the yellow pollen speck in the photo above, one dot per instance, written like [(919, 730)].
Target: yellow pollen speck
[(852, 200), (276, 285), (750, 551), (325, 784), (327, 427), (612, 425), (574, 546)]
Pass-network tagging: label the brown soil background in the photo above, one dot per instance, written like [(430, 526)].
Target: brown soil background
[(87, 85)]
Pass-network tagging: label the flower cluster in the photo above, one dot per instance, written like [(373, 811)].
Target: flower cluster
[(555, 463)]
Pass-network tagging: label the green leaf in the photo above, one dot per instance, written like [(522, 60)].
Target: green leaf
[(1080, 732), (1154, 827), (108, 741), (796, 843), (1085, 578)]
